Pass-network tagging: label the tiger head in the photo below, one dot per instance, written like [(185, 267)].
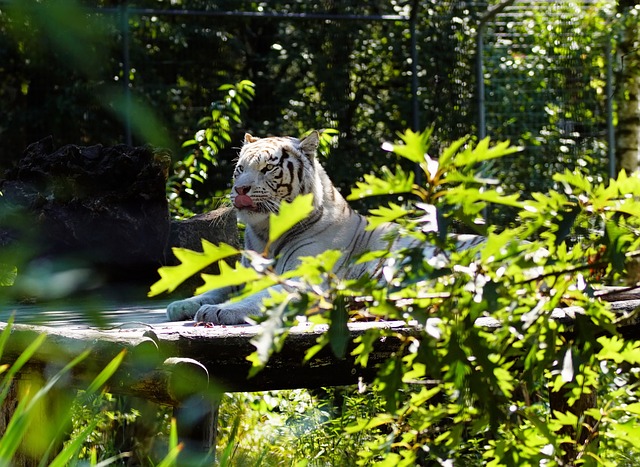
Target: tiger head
[(270, 170)]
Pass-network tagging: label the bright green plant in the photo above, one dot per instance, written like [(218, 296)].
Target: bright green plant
[(35, 430), (493, 378), (298, 427), (25, 417)]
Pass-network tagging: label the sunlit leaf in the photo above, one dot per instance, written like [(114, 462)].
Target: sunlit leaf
[(451, 150), (315, 268), (289, 215), (572, 180), (228, 276), (365, 345), (566, 418), (390, 213), (415, 147), (482, 152), (470, 196), (191, 263), (388, 183), (367, 424)]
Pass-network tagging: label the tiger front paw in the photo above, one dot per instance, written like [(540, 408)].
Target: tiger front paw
[(182, 310), (218, 314)]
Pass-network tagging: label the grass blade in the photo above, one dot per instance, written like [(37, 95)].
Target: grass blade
[(108, 371)]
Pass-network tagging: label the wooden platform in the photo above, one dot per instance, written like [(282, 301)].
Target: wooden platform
[(158, 350), (161, 354)]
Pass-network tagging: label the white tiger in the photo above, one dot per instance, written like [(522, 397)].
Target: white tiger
[(268, 171)]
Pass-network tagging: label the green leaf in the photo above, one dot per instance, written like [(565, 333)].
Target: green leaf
[(390, 381), (627, 432), (573, 179), (6, 333), (415, 147), (271, 337), (19, 363), (385, 214), (289, 215), (228, 276), (191, 262), (108, 371), (171, 460), (633, 408), (23, 415), (482, 152), (616, 238), (565, 225), (315, 268), (338, 329), (390, 183), (368, 423), (72, 448), (451, 150), (619, 350), (365, 346), (321, 342), (456, 177), (470, 196), (173, 435)]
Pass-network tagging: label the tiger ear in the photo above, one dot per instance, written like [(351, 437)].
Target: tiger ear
[(309, 144), (250, 139)]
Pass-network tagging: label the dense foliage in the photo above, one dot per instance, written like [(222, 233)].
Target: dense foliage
[(493, 377)]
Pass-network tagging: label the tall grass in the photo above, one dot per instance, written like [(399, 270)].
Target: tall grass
[(31, 432)]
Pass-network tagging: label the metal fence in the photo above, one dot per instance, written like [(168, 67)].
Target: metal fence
[(551, 93)]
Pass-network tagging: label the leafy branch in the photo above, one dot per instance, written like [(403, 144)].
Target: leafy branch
[(214, 134)]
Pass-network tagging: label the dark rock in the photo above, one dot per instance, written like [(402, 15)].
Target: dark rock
[(98, 217), (104, 208)]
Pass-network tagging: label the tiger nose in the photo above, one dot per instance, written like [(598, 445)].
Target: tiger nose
[(243, 189)]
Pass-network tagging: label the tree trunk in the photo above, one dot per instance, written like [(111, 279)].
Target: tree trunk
[(628, 130)]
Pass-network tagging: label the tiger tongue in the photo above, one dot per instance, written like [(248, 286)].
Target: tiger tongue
[(243, 201)]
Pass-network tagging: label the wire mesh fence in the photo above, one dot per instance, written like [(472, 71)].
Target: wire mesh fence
[(366, 70), (547, 81)]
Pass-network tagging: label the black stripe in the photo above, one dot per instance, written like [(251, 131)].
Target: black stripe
[(298, 230), (301, 171), (354, 241), (291, 167), (293, 252)]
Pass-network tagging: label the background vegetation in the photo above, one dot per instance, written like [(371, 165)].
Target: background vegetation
[(151, 69)]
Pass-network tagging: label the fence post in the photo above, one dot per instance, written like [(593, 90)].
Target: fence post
[(611, 132), (482, 125), (415, 115)]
